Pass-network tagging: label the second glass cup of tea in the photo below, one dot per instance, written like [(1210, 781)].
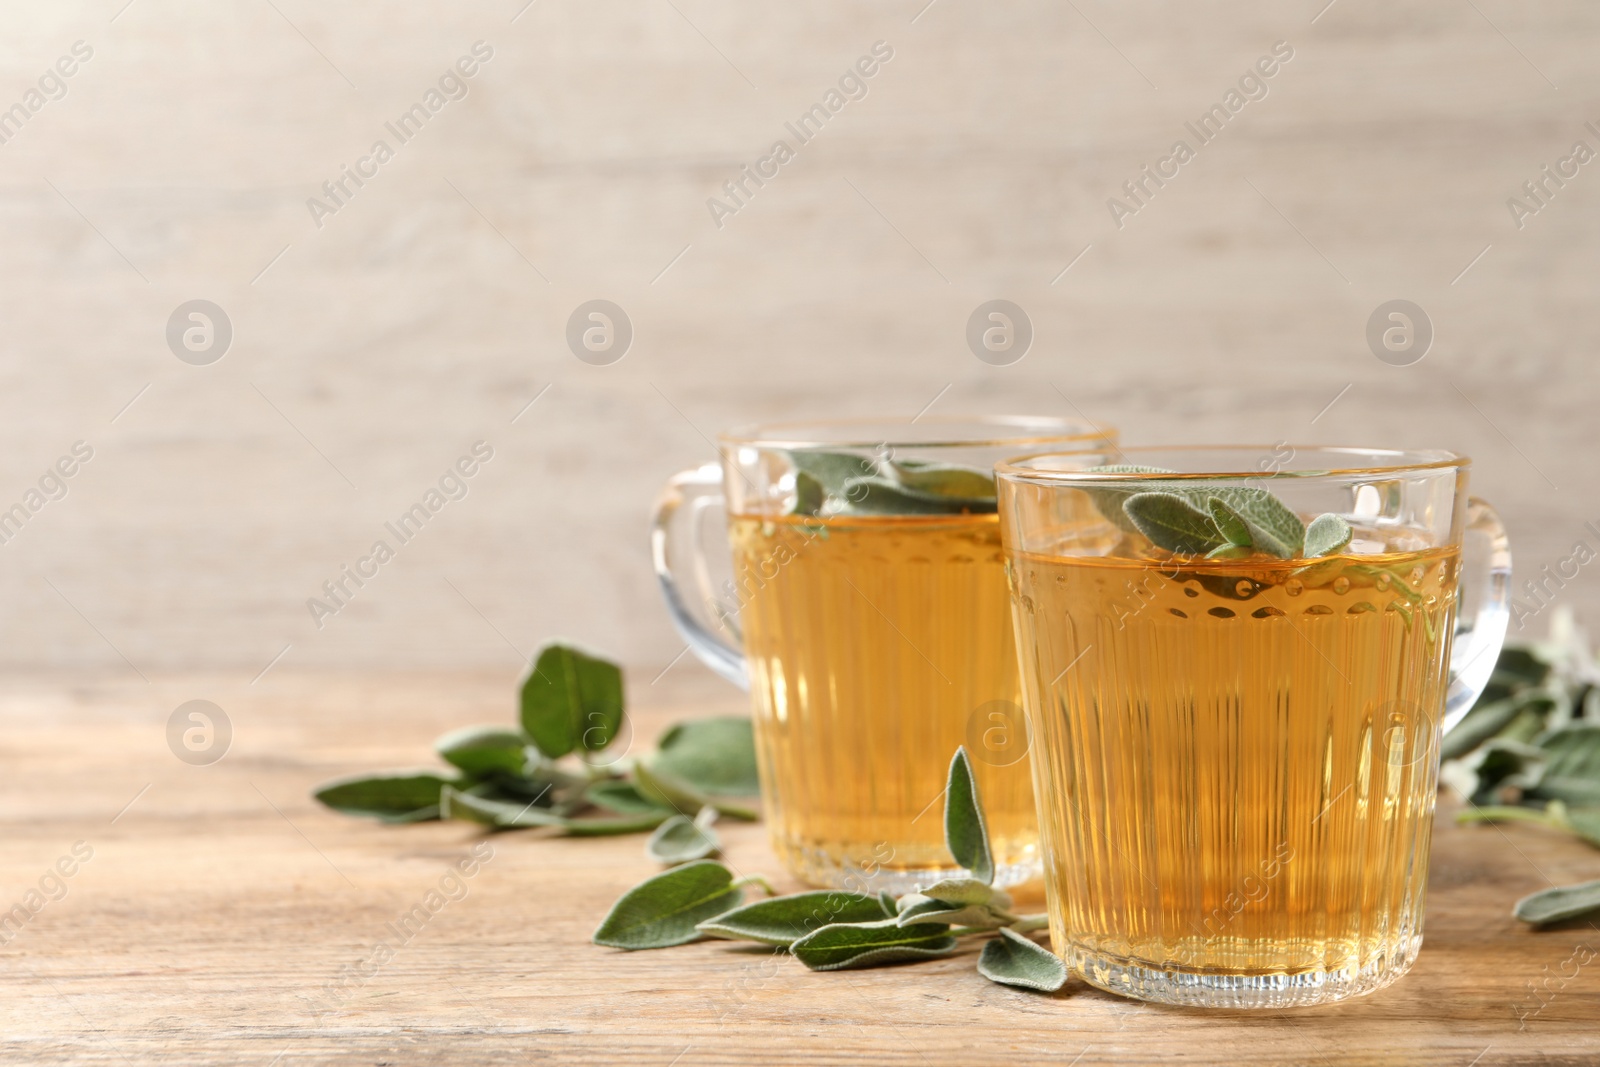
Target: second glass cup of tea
[(866, 610), (1236, 681)]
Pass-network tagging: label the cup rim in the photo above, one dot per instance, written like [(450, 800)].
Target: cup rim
[(1026, 430), (1017, 468)]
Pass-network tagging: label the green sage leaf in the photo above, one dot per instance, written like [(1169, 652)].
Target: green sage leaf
[(1326, 535), (1108, 500), (717, 757), (1014, 960), (945, 479), (1571, 772), (571, 701), (878, 495), (831, 469), (783, 920), (1229, 523), (681, 797), (890, 907), (809, 495), (681, 839), (1172, 523), (845, 946), (666, 910), (1558, 903), (485, 750), (624, 798), (397, 796), (486, 811), (1273, 527), (963, 891), (965, 832), (979, 916), (608, 826)]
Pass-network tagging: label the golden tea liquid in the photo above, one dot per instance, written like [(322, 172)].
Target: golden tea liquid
[(1236, 765), (877, 645)]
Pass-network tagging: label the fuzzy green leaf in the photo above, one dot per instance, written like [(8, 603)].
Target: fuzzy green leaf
[(1172, 523), (397, 796), (717, 757), (878, 495), (965, 832), (1229, 523), (624, 798), (485, 750), (1273, 527), (681, 797), (571, 701), (845, 946), (681, 839), (1326, 535), (782, 920), (1558, 903), (1014, 960), (665, 910), (945, 480)]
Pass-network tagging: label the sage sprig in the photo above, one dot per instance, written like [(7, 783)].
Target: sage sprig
[(830, 483), (553, 770), (1221, 522), (1528, 751), (828, 930)]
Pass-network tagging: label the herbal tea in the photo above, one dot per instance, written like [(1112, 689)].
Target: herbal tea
[(1236, 762), (877, 645)]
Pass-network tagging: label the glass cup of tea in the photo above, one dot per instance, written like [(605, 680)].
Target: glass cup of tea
[(864, 605), (1237, 664)]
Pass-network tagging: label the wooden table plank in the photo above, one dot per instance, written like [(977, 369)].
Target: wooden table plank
[(218, 912)]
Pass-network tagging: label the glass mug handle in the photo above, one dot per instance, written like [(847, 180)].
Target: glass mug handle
[(1486, 574), (680, 563)]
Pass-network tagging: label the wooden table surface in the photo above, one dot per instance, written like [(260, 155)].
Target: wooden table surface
[(221, 906)]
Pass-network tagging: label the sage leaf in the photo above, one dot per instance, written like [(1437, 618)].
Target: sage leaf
[(831, 470), (571, 701), (1014, 960), (681, 797), (666, 910), (621, 797), (484, 750), (1558, 903), (681, 839), (1231, 552), (783, 920), (845, 946), (396, 797), (965, 832), (1477, 726), (1108, 500), (715, 756), (890, 907), (485, 811), (1229, 523), (978, 916), (1273, 527), (607, 826), (963, 891), (878, 495), (1571, 772), (945, 479), (1172, 523), (809, 496), (1326, 535)]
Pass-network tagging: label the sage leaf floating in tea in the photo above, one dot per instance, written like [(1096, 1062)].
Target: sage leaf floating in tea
[(666, 910), (1559, 903), (1014, 960), (830, 483), (1326, 535), (571, 700), (1171, 523), (1230, 524), (872, 944), (781, 921), (964, 830), (945, 479)]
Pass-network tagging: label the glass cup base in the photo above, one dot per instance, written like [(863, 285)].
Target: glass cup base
[(824, 871), (1199, 989)]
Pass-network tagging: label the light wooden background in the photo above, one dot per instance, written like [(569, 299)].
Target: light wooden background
[(430, 310)]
